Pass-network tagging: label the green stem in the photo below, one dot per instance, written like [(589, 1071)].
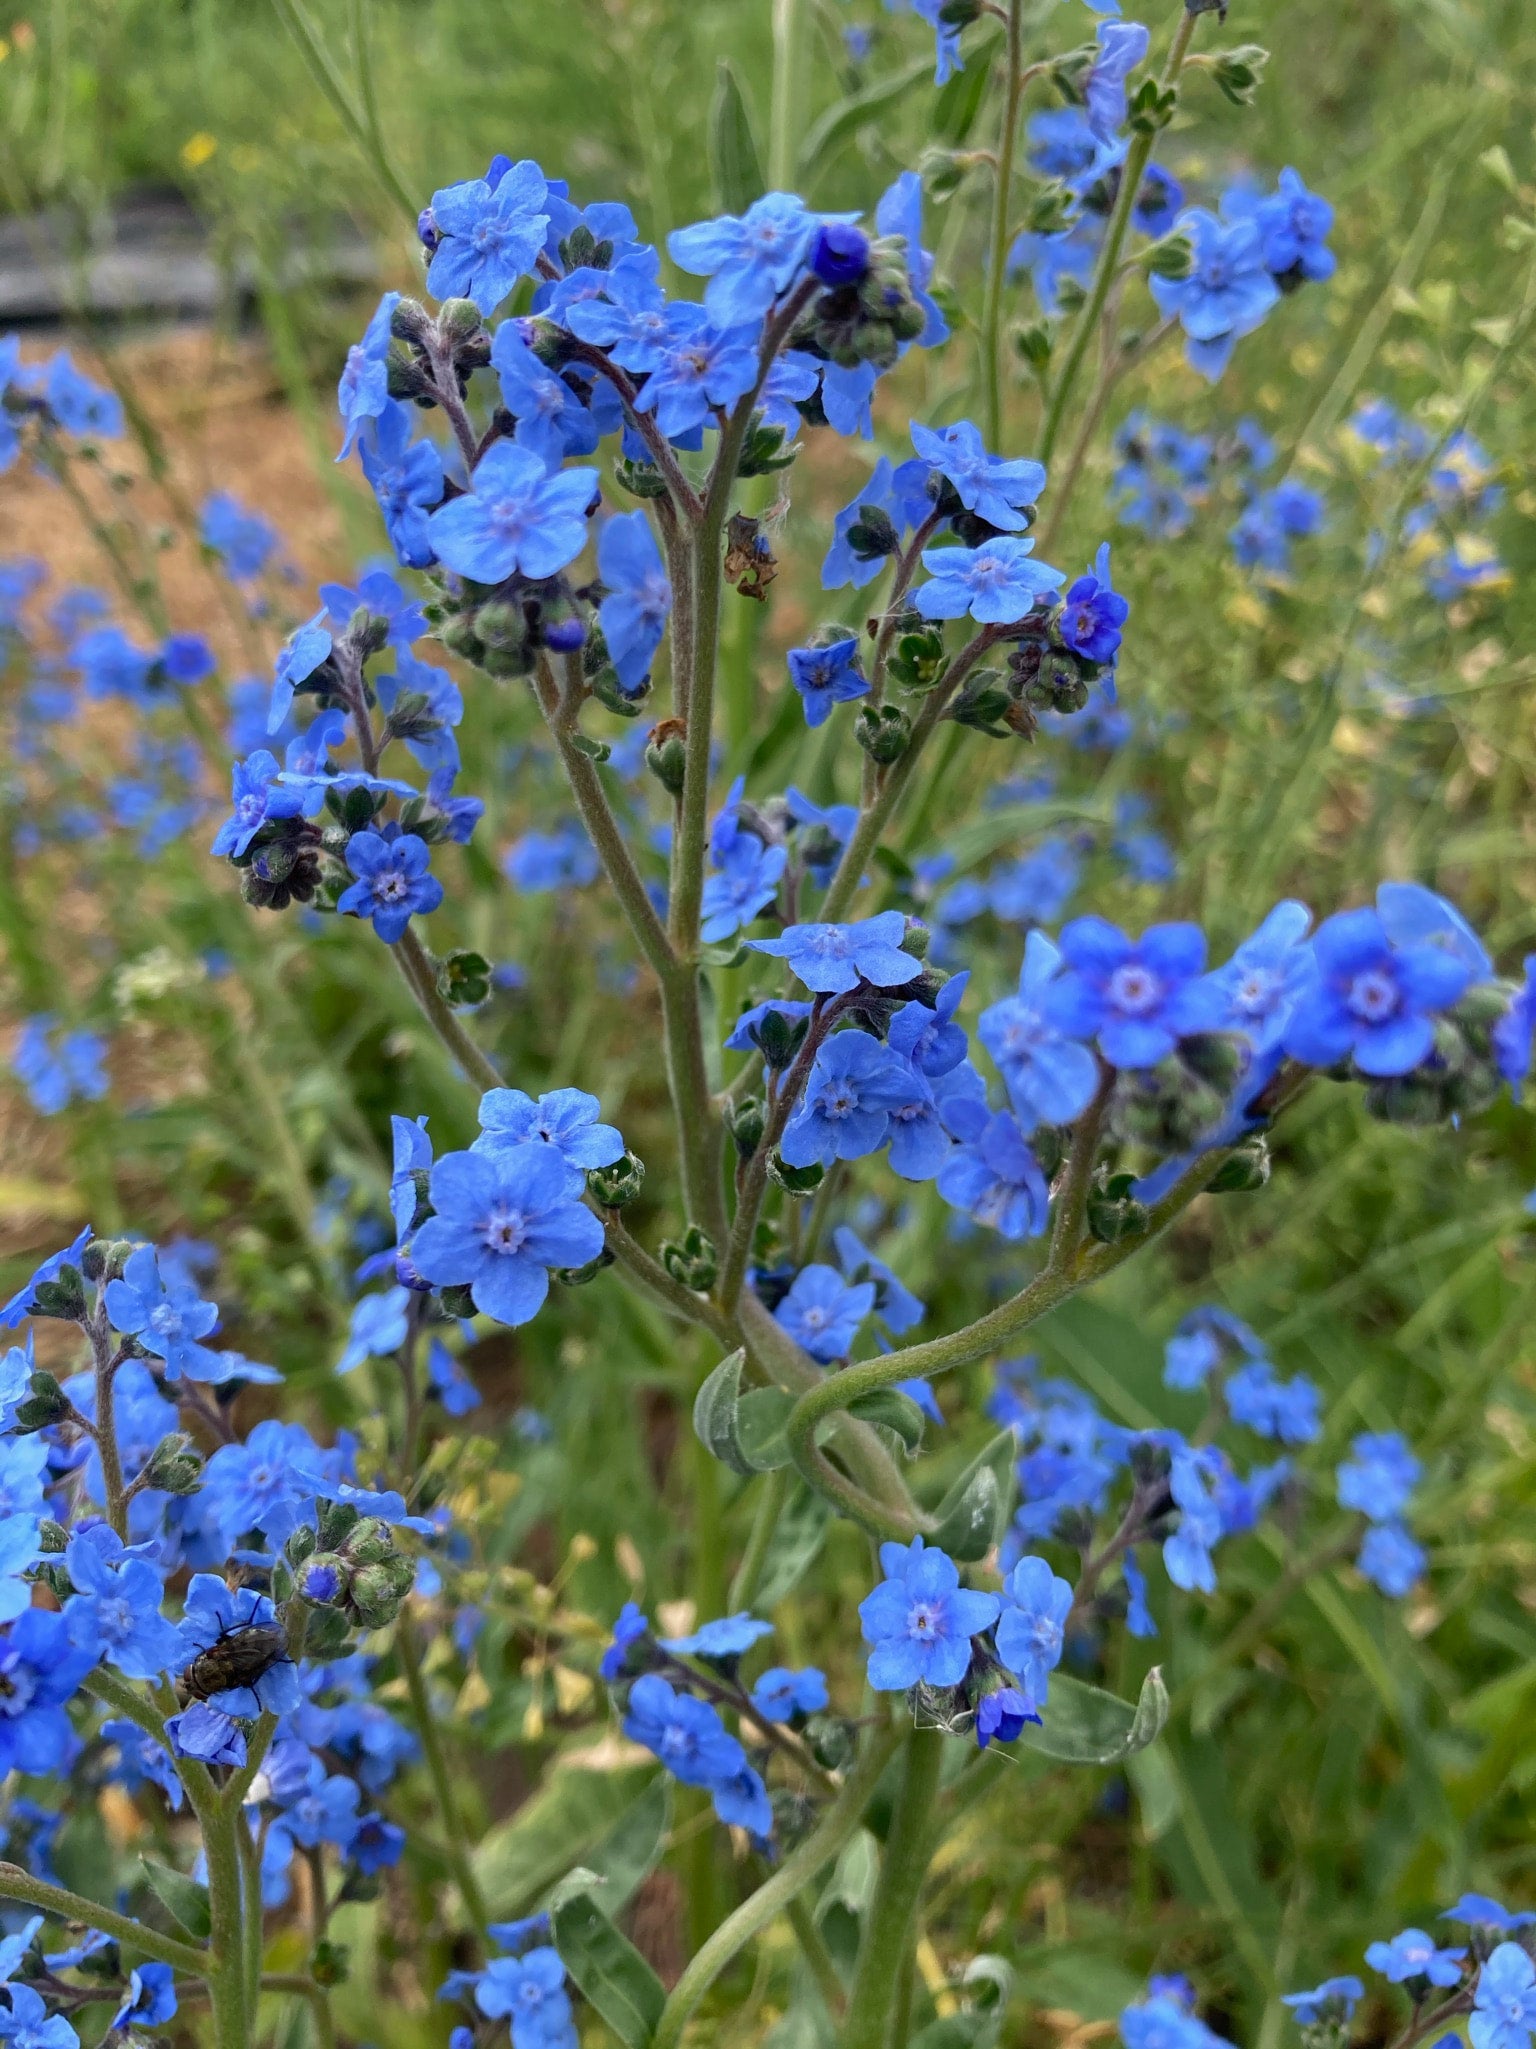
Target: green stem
[(454, 1834), (1114, 242), (787, 112), (106, 1423), (698, 1124), (765, 1520), (817, 1956), (887, 1947), (1007, 142), (227, 1979), (791, 1878), (421, 979), (16, 1884), (319, 1999), (327, 76)]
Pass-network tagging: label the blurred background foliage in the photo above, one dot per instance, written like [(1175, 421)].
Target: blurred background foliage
[(1338, 1766)]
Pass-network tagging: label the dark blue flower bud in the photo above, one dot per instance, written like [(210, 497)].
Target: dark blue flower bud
[(840, 254)]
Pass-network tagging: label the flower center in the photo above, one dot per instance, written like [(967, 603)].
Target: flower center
[(165, 1321), (1372, 996), (391, 887), (505, 1230), (923, 1622), (1135, 989)]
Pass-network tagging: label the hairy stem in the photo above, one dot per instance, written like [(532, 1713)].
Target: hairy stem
[(1002, 199), (886, 1952), (16, 1884)]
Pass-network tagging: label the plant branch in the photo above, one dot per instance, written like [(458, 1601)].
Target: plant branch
[(16, 1884)]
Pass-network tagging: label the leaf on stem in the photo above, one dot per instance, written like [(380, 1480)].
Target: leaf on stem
[(1084, 1725), (609, 1971)]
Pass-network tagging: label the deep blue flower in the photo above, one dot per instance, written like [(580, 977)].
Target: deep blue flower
[(565, 1119), (1159, 198), (1295, 223), (854, 1085), (149, 1998), (822, 1312), (24, 1474), (637, 596), (1036, 1604), (1372, 1000), (746, 884), (995, 488), (322, 1808), (363, 391), (997, 584), (487, 236), (741, 1801), (698, 367), (928, 1036), (729, 1637), (825, 676), (1413, 1955), (378, 1844), (40, 1670), (1122, 46), (393, 884), (115, 1608), (1504, 2004), (1001, 1716), (515, 516), (14, 1946), (1135, 998), (1093, 612), (1476, 1910), (27, 2023), (302, 653), (1053, 259), (529, 1991), (502, 1220), (920, 1620), (686, 1734), (214, 1612), (630, 1626), (1391, 1559), (832, 959), (995, 1178), (1049, 1077), (186, 658), (946, 39), (407, 479), (751, 259), (780, 1694), (167, 1317)]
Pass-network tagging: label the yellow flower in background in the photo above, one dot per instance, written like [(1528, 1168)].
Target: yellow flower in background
[(197, 149)]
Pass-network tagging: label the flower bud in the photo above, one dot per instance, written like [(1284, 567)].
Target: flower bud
[(578, 1276), (795, 1180), (1245, 1171), (324, 1579), (369, 1540), (464, 979), (459, 320), (104, 1258), (1113, 1213), (746, 1126), (47, 1403), (616, 1186), (883, 731), (692, 1260), (1237, 72), (337, 1520), (377, 1590), (1172, 257), (62, 1298), (667, 755), (174, 1466)]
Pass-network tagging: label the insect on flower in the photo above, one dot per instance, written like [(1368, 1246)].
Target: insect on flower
[(238, 1657)]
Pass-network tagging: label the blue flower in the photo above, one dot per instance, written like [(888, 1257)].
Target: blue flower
[(928, 1036), (825, 676), (822, 1312), (40, 1670), (741, 1801), (997, 583), (563, 859), (751, 259), (1187, 1553), (363, 391), (1159, 199), (515, 516), (995, 1178), (1335, 1999), (149, 1999), (167, 1317), (20, 1549), (214, 1612), (54, 1072), (854, 1084), (996, 489), (746, 884), (833, 959), (1228, 292), (302, 653), (895, 1305), (14, 1947), (24, 1302), (1165, 2020), (1265, 976), (27, 2024), (1135, 998), (1122, 46), (629, 1628), (115, 1608), (730, 1637), (186, 658), (1413, 1955), (257, 1484), (1049, 1077), (406, 476), (686, 1734), (392, 885), (1139, 1619), (79, 406), (1036, 1604), (629, 320), (780, 1694), (1514, 1034), (1476, 1910), (899, 212), (637, 596), (24, 1476), (379, 1326), (378, 594), (1285, 1409), (321, 1809), (529, 1991), (1504, 2004), (241, 537), (110, 664), (920, 1620), (744, 1036), (698, 367), (946, 39), (1380, 1477), (1391, 1559), (257, 796), (487, 235), (1295, 223), (1001, 1716), (502, 1220), (551, 420), (1035, 889), (1093, 612), (901, 495), (377, 1846), (564, 1119)]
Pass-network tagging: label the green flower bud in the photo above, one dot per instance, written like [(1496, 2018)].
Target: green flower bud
[(795, 1180), (691, 1260), (1247, 1169), (377, 1590), (464, 979), (883, 731), (747, 1124), (615, 1186), (175, 1466)]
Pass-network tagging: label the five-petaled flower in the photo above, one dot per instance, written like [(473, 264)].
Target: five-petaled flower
[(920, 1620), (501, 1220)]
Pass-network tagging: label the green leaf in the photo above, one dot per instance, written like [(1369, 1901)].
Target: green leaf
[(609, 1971), (1084, 1725), (846, 117), (567, 1822), (959, 102), (183, 1898), (760, 1419), (733, 157), (714, 1413), (795, 1548), (627, 1854), (894, 1410), (974, 1513)]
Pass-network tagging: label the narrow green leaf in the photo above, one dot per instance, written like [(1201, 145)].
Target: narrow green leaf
[(714, 1413), (571, 1820), (894, 1410), (846, 117), (183, 1898), (733, 153), (959, 102), (627, 1854), (609, 1971), (1084, 1725)]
